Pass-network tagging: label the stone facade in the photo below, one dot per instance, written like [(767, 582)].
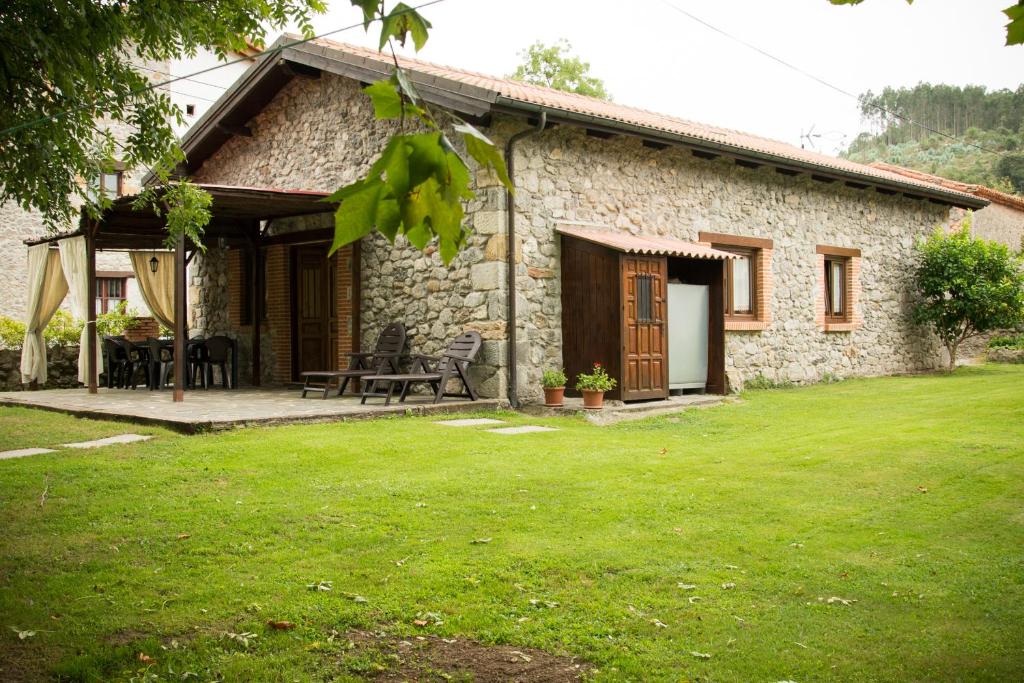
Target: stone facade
[(565, 176), (319, 134)]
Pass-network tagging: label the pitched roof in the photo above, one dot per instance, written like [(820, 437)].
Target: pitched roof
[(479, 94), (644, 244), (1012, 200)]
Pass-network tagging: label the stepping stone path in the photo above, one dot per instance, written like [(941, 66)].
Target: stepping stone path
[(475, 422), (525, 429), (470, 422), (22, 452), (98, 443), (109, 441)]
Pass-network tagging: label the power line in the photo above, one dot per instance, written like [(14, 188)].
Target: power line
[(822, 81), (190, 80), (153, 86)]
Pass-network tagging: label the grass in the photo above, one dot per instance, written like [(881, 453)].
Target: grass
[(901, 494)]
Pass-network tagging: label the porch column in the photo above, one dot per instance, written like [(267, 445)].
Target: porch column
[(91, 371), (256, 299), (180, 329)]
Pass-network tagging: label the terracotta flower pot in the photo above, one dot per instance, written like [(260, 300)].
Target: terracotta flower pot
[(593, 400), (554, 397)]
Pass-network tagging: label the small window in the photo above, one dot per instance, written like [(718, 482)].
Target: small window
[(110, 293), (739, 283), (644, 298), (110, 183), (836, 296), (190, 110)]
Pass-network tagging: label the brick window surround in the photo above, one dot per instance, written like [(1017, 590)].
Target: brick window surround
[(851, 317), (760, 251)]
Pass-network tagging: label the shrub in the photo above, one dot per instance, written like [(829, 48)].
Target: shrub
[(12, 333), (64, 330), (595, 380), (1016, 342), (553, 379)]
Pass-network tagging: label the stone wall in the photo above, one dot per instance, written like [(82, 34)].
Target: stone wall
[(62, 368), (566, 176), (996, 222), (320, 134)]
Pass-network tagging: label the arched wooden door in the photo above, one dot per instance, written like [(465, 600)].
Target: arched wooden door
[(644, 328)]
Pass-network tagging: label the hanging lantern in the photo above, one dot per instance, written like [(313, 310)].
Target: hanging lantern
[(154, 265)]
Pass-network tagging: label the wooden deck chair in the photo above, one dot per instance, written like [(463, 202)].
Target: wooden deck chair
[(436, 371), (385, 358)]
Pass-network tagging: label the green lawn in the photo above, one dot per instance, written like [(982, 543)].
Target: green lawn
[(903, 496)]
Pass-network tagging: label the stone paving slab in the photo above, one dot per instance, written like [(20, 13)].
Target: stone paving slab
[(524, 429), (22, 452), (213, 409), (109, 441), (470, 422)]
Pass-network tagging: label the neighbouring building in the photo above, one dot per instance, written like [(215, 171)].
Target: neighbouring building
[(1001, 221), (115, 279), (643, 241)]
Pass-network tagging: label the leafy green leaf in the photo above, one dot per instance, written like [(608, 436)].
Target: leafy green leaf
[(389, 218), (402, 21), (1015, 29), (356, 216), (387, 103), (485, 152), (369, 8)]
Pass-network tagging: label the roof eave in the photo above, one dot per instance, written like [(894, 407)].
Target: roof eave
[(512, 106)]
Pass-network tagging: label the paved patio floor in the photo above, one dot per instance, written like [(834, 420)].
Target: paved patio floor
[(213, 409)]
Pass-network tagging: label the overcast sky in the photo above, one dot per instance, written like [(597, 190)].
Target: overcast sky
[(651, 55)]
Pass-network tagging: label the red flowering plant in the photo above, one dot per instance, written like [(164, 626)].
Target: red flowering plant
[(595, 380)]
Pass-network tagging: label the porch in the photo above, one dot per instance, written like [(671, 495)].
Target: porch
[(218, 409)]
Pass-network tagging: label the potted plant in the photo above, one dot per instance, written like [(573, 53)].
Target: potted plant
[(553, 382), (593, 384)]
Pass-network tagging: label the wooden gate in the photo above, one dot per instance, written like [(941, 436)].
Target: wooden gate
[(314, 311), (644, 332)]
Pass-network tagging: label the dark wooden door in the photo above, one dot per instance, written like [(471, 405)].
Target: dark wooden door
[(644, 332), (312, 311)]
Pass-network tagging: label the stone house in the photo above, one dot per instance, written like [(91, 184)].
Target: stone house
[(798, 263)]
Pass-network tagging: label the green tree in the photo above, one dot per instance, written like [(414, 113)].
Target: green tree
[(1015, 13), (968, 286), (1011, 167), (66, 66), (555, 67)]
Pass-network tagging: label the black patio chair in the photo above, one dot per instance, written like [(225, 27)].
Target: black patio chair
[(138, 363), (385, 358), (215, 355), (437, 371), (115, 361)]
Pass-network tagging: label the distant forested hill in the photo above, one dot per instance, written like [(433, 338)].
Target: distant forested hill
[(993, 120)]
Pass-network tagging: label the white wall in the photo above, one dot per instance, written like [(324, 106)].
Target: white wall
[(202, 91)]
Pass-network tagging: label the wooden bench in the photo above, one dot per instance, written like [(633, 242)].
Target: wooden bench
[(436, 371)]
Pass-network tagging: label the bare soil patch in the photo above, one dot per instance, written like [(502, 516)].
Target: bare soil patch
[(431, 658)]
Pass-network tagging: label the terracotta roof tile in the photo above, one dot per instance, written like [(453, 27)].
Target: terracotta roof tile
[(644, 244), (1011, 200), (614, 112)]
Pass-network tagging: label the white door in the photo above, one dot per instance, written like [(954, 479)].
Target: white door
[(687, 336)]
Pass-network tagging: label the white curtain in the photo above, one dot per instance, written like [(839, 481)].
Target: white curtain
[(157, 288), (75, 262), (46, 289)]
